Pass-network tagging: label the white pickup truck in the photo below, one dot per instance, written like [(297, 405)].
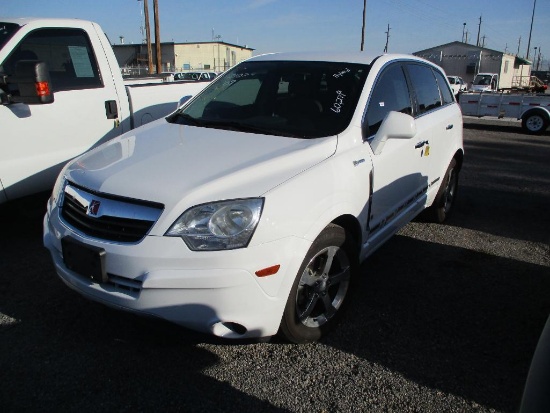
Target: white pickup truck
[(533, 110), (62, 93)]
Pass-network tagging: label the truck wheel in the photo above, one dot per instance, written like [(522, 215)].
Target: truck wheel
[(319, 292), (534, 123), (444, 201)]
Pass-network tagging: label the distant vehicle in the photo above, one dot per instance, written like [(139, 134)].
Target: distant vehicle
[(62, 93), (531, 109), (195, 76), (168, 76), (485, 82), (248, 211), (490, 82), (457, 84)]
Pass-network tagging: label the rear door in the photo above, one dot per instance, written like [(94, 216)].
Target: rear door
[(38, 139), (438, 121)]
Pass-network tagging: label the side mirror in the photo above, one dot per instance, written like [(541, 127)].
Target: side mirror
[(32, 81), (183, 101), (396, 125)]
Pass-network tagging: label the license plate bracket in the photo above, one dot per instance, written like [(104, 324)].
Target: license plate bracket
[(86, 260)]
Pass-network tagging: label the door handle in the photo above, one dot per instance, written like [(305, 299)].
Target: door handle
[(449, 127), (421, 144), (111, 110)]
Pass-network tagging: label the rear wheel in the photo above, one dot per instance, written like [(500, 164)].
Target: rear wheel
[(535, 123), (446, 196), (321, 288)]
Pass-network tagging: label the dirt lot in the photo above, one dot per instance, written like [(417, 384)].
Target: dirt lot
[(445, 317)]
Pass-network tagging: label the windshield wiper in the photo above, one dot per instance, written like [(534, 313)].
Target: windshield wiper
[(187, 119), (247, 127)]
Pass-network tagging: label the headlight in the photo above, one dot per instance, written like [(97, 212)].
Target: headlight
[(57, 193), (217, 226)]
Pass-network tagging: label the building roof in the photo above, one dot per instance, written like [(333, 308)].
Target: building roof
[(519, 60), (183, 43)]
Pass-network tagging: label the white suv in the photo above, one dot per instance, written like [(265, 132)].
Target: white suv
[(457, 84), (248, 211)]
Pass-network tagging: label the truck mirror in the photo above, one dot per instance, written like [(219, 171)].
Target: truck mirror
[(32, 80)]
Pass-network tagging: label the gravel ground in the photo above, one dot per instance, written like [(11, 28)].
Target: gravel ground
[(445, 318)]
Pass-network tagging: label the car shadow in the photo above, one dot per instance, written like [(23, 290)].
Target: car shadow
[(453, 319)]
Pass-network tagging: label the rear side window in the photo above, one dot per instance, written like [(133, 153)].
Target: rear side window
[(425, 87), (446, 93), (68, 54), (390, 93)]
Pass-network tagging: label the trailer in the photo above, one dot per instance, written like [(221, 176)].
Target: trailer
[(532, 109)]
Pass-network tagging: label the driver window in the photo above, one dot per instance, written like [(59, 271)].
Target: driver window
[(68, 54), (390, 93)]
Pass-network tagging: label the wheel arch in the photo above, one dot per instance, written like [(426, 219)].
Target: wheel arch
[(352, 226), (459, 156), (531, 111)]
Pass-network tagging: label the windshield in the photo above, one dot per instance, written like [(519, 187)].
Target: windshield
[(298, 99), (482, 80), (6, 32)]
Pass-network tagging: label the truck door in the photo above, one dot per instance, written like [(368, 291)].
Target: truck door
[(37, 140), (397, 180)]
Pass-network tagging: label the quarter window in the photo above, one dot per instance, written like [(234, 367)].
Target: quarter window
[(390, 93), (425, 87), (68, 54)]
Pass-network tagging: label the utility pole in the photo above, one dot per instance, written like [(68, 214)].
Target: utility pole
[(467, 33), (463, 31), (519, 44), (483, 40), (478, 31), (531, 31), (148, 37), (157, 35), (363, 28), (387, 39)]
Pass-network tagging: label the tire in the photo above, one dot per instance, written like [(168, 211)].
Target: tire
[(321, 288), (534, 123), (445, 199)]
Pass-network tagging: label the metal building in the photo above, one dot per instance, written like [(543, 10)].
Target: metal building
[(466, 60)]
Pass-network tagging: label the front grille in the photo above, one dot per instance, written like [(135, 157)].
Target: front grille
[(111, 220)]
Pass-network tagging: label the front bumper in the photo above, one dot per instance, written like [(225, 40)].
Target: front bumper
[(214, 292)]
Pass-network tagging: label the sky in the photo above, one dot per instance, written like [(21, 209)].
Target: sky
[(314, 25)]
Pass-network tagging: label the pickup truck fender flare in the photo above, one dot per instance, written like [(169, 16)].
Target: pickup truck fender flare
[(535, 109), (537, 127)]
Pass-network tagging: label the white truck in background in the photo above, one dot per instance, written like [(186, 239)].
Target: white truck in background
[(490, 82), (533, 110), (62, 93)]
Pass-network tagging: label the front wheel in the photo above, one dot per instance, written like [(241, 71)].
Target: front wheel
[(322, 285), (535, 123)]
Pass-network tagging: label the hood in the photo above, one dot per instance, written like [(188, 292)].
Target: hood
[(173, 164), (480, 88)]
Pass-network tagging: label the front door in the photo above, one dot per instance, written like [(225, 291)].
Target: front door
[(36, 140), (398, 182)]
